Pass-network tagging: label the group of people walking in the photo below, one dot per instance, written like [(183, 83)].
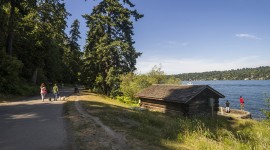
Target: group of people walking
[(43, 91), (242, 103)]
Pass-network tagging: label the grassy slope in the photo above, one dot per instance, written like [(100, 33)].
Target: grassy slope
[(154, 130)]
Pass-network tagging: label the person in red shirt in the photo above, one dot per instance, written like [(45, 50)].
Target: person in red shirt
[(242, 102)]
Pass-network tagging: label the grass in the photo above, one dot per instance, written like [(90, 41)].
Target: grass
[(154, 130), (20, 91), (78, 127), (9, 98)]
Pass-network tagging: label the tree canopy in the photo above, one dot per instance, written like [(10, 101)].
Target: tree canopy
[(34, 47), (33, 43), (109, 50)]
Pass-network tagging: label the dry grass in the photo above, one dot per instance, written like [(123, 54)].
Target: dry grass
[(84, 132), (153, 130)]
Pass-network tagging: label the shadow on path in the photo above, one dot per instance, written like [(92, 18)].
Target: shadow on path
[(32, 124)]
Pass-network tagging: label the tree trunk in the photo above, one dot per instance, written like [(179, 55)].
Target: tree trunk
[(10, 28), (34, 77)]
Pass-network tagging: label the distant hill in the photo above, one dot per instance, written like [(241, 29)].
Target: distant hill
[(259, 73)]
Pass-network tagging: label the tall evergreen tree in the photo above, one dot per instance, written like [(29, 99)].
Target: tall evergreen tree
[(109, 50), (72, 56), (11, 25), (40, 43), (11, 13), (32, 42), (3, 25)]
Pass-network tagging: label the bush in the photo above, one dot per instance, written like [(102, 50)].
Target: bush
[(132, 83), (10, 81), (9, 74), (267, 111), (126, 100), (26, 89)]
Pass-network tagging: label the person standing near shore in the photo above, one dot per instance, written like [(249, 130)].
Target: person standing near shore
[(227, 106), (242, 102), (43, 91)]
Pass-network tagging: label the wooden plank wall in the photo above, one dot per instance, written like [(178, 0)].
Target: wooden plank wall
[(162, 106)]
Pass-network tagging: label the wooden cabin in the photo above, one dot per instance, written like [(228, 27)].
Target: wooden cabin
[(181, 99)]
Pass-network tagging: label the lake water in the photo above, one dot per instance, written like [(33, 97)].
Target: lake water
[(253, 91)]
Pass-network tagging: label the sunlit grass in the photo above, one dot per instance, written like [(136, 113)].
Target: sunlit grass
[(157, 130)]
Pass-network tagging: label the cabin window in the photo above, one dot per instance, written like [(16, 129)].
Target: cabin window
[(211, 102)]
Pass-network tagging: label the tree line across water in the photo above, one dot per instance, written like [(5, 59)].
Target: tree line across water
[(259, 73)]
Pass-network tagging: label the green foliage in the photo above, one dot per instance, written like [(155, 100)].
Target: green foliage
[(10, 81), (109, 50), (43, 23), (260, 73), (32, 34), (156, 75), (126, 100), (72, 55), (3, 25), (132, 83), (173, 80), (129, 86), (10, 69), (267, 111)]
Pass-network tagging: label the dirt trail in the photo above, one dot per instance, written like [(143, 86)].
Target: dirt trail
[(118, 140)]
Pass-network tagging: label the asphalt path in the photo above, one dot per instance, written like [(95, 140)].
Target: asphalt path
[(31, 124)]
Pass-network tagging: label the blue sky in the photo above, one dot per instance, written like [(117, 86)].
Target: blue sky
[(195, 35)]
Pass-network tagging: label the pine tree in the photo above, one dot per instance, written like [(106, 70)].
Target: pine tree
[(72, 55), (109, 50), (41, 39)]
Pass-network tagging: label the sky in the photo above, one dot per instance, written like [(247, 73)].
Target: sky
[(185, 36)]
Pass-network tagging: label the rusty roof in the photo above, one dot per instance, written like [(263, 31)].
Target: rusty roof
[(175, 93)]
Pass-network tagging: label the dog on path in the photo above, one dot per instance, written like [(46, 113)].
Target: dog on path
[(62, 98)]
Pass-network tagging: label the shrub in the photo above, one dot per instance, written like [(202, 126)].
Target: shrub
[(133, 83), (126, 100), (267, 111), (9, 74)]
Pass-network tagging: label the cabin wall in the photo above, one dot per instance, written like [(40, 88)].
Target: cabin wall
[(164, 106), (201, 104)]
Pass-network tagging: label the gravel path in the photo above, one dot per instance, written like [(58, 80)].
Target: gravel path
[(33, 125)]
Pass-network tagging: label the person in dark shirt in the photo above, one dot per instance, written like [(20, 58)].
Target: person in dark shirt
[(227, 106)]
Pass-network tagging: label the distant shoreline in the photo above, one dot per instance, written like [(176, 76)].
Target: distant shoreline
[(259, 73)]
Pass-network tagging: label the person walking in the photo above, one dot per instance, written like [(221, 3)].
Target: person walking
[(43, 91), (242, 102), (227, 106), (55, 92)]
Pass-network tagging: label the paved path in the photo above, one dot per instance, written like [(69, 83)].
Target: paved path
[(33, 124)]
